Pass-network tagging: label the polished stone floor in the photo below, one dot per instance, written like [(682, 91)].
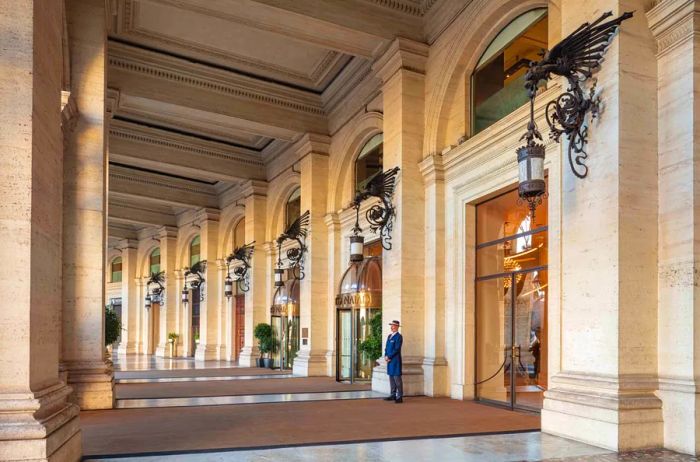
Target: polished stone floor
[(150, 362)]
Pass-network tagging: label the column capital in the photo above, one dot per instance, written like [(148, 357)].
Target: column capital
[(126, 244), (220, 264), (332, 220), (254, 188), (207, 214), (432, 169), (269, 247), (312, 143), (167, 232), (112, 101), (673, 22), (402, 54)]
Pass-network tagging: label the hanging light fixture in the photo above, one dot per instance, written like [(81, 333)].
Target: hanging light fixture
[(148, 301), (228, 287), (242, 254), (357, 240), (185, 294)]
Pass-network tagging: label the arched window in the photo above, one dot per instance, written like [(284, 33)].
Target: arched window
[(195, 249), (239, 234), (293, 208), (116, 270), (370, 161), (154, 261), (499, 77)]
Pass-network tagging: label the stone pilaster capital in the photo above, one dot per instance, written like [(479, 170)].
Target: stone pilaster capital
[(69, 114), (167, 232), (128, 244), (207, 214), (179, 275), (254, 188), (332, 220), (112, 97), (312, 143), (269, 247), (432, 169), (402, 54), (220, 264), (673, 22)]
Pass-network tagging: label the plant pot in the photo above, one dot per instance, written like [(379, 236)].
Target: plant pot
[(267, 363), (259, 362)]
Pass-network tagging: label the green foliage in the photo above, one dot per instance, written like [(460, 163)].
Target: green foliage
[(173, 336), (263, 332), (372, 347), (113, 325)]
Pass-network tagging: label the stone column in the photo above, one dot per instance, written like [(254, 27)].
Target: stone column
[(402, 70), (168, 309), (313, 305), (181, 311), (36, 421), (604, 393), (130, 313), (209, 307), (85, 211), (436, 381), (224, 321), (139, 309), (335, 272), (256, 308), (674, 24)]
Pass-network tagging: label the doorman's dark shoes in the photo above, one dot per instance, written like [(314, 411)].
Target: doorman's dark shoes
[(397, 401), (390, 398)]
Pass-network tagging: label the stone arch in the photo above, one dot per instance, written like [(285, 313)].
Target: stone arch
[(285, 188), (112, 254), (226, 232), (184, 250), (341, 175), (144, 260), (463, 44)]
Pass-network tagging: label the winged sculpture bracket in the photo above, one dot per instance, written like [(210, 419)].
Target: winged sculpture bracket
[(297, 231), (575, 58), (157, 295), (380, 216), (242, 254), (194, 276)]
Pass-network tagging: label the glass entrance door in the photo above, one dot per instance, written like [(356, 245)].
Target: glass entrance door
[(511, 304), (345, 345)]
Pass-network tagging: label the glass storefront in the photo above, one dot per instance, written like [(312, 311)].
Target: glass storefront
[(359, 306), (511, 303), (284, 318)]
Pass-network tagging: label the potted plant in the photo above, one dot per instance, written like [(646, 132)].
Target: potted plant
[(372, 346), (172, 340), (263, 332), (113, 326)]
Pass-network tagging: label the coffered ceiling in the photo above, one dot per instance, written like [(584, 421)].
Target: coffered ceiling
[(204, 94)]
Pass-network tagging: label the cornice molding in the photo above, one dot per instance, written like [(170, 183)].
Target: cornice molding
[(402, 54), (190, 145), (312, 143), (167, 232), (410, 7), (432, 169), (673, 22), (180, 71), (133, 176), (112, 101), (207, 214), (69, 115)]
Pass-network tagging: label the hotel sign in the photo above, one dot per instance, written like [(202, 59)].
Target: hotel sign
[(359, 300)]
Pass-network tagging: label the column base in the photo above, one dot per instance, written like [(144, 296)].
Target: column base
[(249, 356), (412, 375), (435, 381), (163, 351), (41, 426), (616, 413), (92, 383), (681, 421), (126, 348), (206, 352), (311, 364)]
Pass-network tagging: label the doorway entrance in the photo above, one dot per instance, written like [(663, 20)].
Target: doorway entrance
[(194, 339), (239, 313), (511, 303), (284, 319)]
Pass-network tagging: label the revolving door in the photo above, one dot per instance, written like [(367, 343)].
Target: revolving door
[(358, 320), (284, 319)]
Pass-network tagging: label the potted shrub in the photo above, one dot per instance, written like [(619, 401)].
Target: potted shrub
[(372, 346), (113, 326), (263, 332), (172, 340)]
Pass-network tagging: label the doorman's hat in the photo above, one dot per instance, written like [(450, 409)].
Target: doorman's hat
[(395, 323)]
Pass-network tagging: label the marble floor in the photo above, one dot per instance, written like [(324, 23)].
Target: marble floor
[(151, 362)]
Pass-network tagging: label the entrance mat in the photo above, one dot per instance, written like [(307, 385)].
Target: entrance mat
[(234, 388), (210, 428), (196, 372)]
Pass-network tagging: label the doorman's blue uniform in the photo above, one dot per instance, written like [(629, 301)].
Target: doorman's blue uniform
[(393, 351)]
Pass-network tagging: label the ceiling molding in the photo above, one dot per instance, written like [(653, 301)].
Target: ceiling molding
[(166, 68)]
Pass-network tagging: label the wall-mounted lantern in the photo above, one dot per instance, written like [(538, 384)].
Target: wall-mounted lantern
[(194, 277), (243, 255), (297, 231), (380, 216), (157, 295), (576, 58)]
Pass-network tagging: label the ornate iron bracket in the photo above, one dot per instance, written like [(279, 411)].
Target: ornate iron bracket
[(242, 254), (297, 231), (379, 216), (156, 295), (576, 58), (194, 275)]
